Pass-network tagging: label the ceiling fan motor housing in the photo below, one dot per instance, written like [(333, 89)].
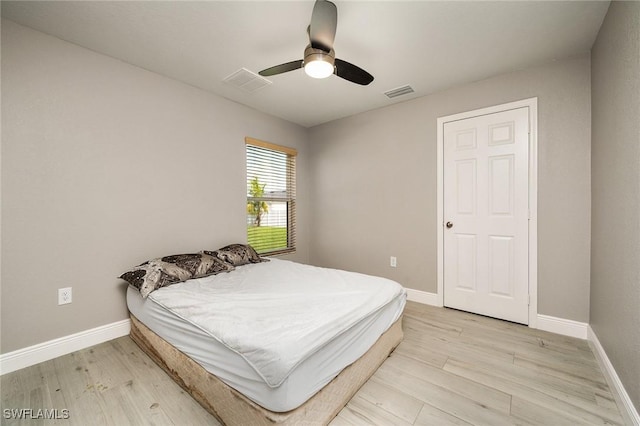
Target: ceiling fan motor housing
[(311, 54)]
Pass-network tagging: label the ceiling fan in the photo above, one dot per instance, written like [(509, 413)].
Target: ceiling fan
[(319, 57)]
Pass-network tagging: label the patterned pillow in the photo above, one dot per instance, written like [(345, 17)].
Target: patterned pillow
[(237, 254), (164, 271)]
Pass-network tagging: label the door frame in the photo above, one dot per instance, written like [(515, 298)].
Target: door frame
[(532, 104)]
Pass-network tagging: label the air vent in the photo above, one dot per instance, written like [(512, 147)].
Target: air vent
[(247, 80), (399, 91)]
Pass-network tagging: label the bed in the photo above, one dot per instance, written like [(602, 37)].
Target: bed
[(270, 342)]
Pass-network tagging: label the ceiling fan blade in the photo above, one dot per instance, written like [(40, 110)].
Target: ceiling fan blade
[(279, 69), (324, 21), (352, 73)]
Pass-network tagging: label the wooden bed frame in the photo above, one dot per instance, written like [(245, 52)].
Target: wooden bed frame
[(232, 408)]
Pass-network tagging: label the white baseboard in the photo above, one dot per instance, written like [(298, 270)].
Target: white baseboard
[(622, 397), (562, 326), (423, 297), (543, 322), (41, 352)]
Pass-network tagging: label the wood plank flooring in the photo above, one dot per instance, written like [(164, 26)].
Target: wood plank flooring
[(456, 368), (453, 368)]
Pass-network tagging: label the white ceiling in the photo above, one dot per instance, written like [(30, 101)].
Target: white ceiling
[(426, 44)]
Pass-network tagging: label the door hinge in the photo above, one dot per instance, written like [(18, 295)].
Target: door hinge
[(529, 300)]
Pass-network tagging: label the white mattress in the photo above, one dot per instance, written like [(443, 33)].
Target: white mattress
[(290, 382)]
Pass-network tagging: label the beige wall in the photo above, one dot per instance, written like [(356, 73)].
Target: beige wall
[(615, 251), (105, 165), (374, 183)]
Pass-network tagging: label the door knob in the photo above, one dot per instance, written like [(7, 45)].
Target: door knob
[(449, 225)]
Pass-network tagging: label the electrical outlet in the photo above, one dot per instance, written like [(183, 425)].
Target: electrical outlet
[(393, 262), (64, 296)]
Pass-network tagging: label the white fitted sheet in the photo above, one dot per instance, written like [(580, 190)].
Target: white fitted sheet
[(303, 380)]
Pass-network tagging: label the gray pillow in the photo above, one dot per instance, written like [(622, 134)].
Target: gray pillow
[(237, 254), (156, 273)]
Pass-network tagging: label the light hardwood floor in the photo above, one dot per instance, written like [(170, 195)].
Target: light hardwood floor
[(452, 368)]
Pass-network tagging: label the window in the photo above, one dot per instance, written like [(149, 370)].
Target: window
[(271, 197)]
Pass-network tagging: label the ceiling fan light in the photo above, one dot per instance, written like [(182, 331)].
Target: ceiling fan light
[(318, 68)]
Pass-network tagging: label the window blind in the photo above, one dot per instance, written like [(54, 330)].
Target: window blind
[(271, 197)]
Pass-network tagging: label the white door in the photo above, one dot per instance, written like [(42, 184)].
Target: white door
[(486, 209)]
